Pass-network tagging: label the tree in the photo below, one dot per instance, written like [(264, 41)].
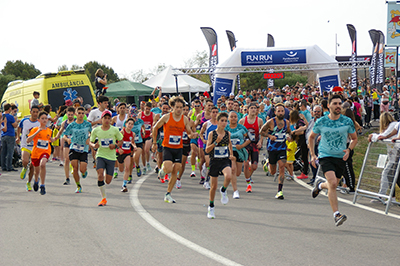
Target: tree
[(199, 59), (19, 69), (91, 68), (4, 80), (62, 68)]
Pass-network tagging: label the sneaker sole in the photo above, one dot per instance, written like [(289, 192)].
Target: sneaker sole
[(341, 221)]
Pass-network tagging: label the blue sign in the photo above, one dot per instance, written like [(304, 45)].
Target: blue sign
[(222, 87), (327, 83), (259, 58)]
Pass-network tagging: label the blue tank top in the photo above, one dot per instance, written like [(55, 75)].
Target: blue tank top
[(280, 143)]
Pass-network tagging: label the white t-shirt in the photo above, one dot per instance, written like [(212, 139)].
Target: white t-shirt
[(94, 115), (26, 125)]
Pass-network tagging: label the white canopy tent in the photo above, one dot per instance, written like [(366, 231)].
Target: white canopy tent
[(166, 80)]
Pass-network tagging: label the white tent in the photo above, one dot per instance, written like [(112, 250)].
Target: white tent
[(166, 80)]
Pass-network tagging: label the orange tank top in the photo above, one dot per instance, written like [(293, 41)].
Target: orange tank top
[(173, 131)]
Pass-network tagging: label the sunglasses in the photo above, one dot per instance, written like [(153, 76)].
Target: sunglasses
[(197, 106)]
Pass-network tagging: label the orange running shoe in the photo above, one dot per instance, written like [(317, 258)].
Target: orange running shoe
[(248, 189), (103, 202)]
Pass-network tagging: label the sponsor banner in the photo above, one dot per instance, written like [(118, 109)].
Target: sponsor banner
[(353, 37), (372, 70), (232, 44), (280, 75), (327, 83), (257, 58), (393, 24), (211, 37), (222, 87), (359, 58), (270, 41), (380, 69), (390, 57)]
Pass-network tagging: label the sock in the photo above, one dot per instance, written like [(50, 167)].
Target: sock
[(280, 186), (138, 167), (319, 186), (248, 180), (193, 167), (167, 194), (41, 185), (103, 191), (335, 213), (178, 178), (211, 204), (115, 169), (124, 183), (223, 189), (78, 184)]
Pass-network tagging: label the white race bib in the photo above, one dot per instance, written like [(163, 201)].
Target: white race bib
[(162, 134), (30, 144), (235, 142), (221, 152), (136, 138), (78, 147), (174, 140), (42, 144), (126, 145), (106, 142), (280, 137), (185, 136), (252, 136), (147, 127)]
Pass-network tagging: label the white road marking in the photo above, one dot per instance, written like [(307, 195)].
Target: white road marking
[(135, 202), (350, 202)]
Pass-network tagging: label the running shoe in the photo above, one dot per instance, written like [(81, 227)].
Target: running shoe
[(84, 175), (42, 190), (103, 202), (316, 189), (71, 169), (124, 189), (144, 170), (202, 180), (78, 189), (248, 189), (23, 172), (162, 180), (206, 185), (161, 173), (265, 166), (61, 164), (178, 184), (340, 219), (302, 176), (130, 179), (28, 186), (166, 178), (224, 196), (279, 195), (204, 170), (148, 167), (67, 182), (169, 199), (139, 172), (115, 175), (193, 174), (156, 170), (94, 164), (35, 186), (236, 194), (211, 213)]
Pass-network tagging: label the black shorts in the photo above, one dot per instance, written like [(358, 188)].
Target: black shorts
[(103, 163), (186, 150), (80, 156), (275, 156), (121, 157), (146, 139), (174, 155), (236, 154), (336, 165), (139, 145), (217, 166), (66, 145), (253, 152)]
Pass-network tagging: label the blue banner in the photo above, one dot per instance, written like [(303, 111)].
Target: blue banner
[(327, 83), (222, 87), (258, 58)]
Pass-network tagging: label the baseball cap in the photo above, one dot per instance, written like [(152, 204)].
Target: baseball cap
[(241, 96), (106, 112), (68, 103), (87, 106), (223, 105), (231, 94)]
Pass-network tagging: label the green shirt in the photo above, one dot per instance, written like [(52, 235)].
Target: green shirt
[(106, 138)]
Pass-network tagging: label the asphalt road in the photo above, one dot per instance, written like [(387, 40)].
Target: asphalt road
[(139, 228)]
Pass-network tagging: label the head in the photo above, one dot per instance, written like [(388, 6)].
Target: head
[(253, 109), (165, 108), (42, 117), (280, 111), (177, 103), (106, 118), (147, 108), (70, 113), (47, 108), (317, 111), (80, 112), (103, 102), (236, 106), (222, 120), (129, 123), (209, 105), (34, 112), (229, 104), (99, 73), (223, 107), (214, 112), (185, 110), (335, 104), (233, 118), (36, 94), (384, 120), (197, 105)]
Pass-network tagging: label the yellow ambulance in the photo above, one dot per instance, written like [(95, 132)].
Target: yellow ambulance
[(54, 89)]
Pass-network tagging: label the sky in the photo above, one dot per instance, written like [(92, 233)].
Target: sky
[(133, 35)]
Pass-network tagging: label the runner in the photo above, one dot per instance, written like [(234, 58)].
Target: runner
[(194, 145), (23, 130), (125, 156), (186, 146), (41, 136), (335, 129), (76, 135), (107, 136), (275, 130), (118, 121), (160, 137), (239, 140), (219, 147), (253, 124), (174, 124), (148, 117)]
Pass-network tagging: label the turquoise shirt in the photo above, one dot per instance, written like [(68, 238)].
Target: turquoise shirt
[(137, 129), (79, 134), (237, 135)]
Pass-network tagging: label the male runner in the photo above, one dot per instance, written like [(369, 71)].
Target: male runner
[(23, 130), (160, 137), (118, 121), (275, 130), (148, 117), (334, 129), (194, 145), (174, 124)]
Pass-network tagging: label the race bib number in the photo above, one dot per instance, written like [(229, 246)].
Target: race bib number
[(78, 147), (30, 144), (252, 136), (235, 142), (185, 136), (136, 138), (42, 144), (221, 152), (198, 127), (280, 137), (126, 145), (174, 140), (106, 142), (147, 127), (162, 134)]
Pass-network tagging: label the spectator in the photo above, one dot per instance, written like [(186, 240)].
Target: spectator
[(100, 81), (8, 139)]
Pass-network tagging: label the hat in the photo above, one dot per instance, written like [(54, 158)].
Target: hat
[(68, 103), (241, 96), (231, 94), (76, 101), (106, 112), (223, 105), (87, 106), (205, 94)]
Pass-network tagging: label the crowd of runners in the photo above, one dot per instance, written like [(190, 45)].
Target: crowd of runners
[(224, 139)]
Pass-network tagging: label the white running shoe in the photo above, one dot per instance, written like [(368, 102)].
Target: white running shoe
[(193, 174), (169, 199), (204, 170), (148, 168), (206, 185), (178, 184), (236, 194), (210, 213), (224, 196)]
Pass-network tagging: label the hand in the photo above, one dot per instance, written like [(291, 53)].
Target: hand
[(381, 137), (96, 145), (394, 139), (219, 138), (154, 147), (239, 147), (18, 140), (112, 146), (194, 135), (69, 141), (87, 141), (313, 160), (346, 155), (231, 157), (259, 145), (134, 148), (120, 151), (273, 138)]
